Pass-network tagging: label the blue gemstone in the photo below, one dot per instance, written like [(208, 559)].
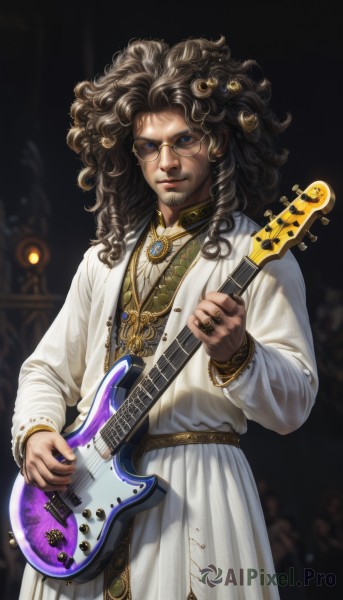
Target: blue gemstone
[(156, 248), (124, 316)]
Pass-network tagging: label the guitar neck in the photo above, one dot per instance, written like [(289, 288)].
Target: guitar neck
[(150, 388)]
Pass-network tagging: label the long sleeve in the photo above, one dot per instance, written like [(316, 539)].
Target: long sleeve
[(50, 378), (279, 389)]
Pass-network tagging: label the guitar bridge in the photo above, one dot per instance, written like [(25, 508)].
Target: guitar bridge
[(58, 509)]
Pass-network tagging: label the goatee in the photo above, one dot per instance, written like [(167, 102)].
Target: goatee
[(174, 199)]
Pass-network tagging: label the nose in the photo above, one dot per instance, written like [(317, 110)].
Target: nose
[(168, 158)]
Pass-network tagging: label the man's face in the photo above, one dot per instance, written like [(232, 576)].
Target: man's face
[(178, 181)]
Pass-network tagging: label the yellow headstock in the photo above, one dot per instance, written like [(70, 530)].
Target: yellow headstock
[(289, 227)]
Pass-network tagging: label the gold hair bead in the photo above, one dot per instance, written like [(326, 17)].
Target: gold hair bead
[(249, 122), (106, 143), (212, 83), (203, 87), (234, 87)]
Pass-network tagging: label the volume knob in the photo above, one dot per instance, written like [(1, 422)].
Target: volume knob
[(62, 556), (84, 546)]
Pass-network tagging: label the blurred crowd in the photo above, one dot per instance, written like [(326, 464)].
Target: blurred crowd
[(312, 562)]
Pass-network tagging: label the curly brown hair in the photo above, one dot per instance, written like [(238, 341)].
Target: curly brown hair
[(218, 92)]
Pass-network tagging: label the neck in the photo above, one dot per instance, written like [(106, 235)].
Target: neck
[(185, 217)]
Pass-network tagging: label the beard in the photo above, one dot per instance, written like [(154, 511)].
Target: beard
[(174, 199)]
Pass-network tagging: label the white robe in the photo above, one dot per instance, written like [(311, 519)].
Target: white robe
[(211, 516)]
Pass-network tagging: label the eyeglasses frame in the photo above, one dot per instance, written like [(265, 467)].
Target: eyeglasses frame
[(170, 146)]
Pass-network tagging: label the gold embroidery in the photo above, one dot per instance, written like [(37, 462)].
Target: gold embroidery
[(239, 362), (109, 325), (190, 216), (141, 321), (117, 572), (182, 438)]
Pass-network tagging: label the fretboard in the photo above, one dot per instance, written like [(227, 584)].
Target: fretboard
[(150, 388)]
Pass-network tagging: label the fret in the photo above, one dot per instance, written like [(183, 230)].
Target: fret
[(181, 346), (164, 362), (145, 391), (137, 398), (110, 435), (163, 375), (241, 277)]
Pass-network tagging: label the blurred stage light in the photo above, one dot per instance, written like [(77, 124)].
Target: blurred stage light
[(31, 252)]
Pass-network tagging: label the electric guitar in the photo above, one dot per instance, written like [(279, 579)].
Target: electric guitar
[(72, 535)]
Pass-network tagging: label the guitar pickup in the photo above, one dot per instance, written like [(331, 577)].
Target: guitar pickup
[(58, 509)]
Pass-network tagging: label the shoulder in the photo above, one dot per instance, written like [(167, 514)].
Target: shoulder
[(89, 270), (91, 260), (244, 225)]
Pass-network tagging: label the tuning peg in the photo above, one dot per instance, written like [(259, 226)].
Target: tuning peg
[(302, 194), (324, 220), (312, 237), (302, 246), (269, 213), (284, 200), (297, 189)]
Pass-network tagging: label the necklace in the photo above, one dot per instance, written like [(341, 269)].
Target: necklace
[(192, 219), (161, 245)]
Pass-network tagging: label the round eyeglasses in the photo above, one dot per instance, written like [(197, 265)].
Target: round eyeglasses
[(186, 145)]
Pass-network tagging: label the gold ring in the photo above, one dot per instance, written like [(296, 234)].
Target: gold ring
[(217, 317), (207, 327)]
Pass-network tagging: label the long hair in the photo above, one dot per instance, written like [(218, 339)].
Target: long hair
[(221, 94)]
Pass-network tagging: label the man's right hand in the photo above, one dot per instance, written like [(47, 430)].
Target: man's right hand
[(41, 467)]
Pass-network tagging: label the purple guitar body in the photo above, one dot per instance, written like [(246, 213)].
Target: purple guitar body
[(71, 535)]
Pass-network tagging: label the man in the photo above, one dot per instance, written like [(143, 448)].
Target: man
[(182, 145)]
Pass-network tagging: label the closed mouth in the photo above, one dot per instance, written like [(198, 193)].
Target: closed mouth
[(171, 180)]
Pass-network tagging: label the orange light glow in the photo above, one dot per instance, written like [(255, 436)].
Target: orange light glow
[(33, 255)]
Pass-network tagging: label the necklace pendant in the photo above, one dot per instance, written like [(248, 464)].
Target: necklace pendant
[(158, 249)]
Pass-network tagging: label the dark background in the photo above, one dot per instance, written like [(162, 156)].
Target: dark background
[(46, 48)]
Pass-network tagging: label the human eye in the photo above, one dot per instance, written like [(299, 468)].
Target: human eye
[(145, 147), (150, 146), (186, 141)]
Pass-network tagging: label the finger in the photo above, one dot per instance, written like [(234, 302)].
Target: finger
[(238, 299), (65, 450), (207, 327), (228, 303), (44, 479), (47, 457), (60, 467), (211, 312), (217, 317)]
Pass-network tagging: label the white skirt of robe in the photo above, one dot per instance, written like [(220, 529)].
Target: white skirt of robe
[(210, 518)]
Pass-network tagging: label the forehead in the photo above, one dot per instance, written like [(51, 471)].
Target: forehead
[(155, 124)]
